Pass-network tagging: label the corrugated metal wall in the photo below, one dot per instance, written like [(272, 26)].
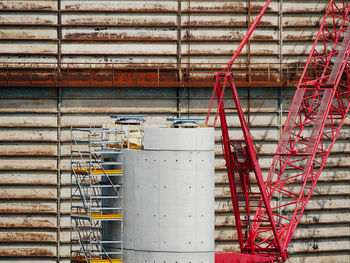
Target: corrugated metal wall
[(129, 35), (34, 167), (187, 37)]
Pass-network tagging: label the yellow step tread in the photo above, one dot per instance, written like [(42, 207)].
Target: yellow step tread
[(106, 261), (98, 172), (107, 216), (99, 216), (83, 260)]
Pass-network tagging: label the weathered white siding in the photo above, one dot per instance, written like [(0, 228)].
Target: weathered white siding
[(193, 37), (29, 126), (164, 36)]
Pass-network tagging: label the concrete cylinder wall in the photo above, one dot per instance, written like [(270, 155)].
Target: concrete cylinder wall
[(169, 197)]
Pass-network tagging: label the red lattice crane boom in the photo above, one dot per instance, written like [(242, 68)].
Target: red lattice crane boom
[(267, 215)]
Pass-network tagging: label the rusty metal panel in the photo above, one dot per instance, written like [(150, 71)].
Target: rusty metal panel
[(27, 178), (29, 154), (35, 135), (22, 192), (27, 207), (27, 33), (28, 47), (37, 251), (76, 106), (303, 232), (27, 237), (142, 37), (23, 18), (122, 48), (27, 163), (28, 149), (28, 105), (118, 19), (117, 34), (8, 120), (192, 37), (142, 6), (29, 5), (25, 222)]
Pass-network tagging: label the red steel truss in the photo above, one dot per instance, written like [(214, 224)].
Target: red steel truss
[(267, 215)]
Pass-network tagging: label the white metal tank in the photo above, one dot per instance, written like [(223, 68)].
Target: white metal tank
[(169, 197)]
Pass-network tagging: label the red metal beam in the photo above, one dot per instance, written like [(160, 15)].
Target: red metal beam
[(321, 103)]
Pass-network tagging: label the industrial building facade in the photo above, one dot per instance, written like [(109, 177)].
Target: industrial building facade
[(70, 63)]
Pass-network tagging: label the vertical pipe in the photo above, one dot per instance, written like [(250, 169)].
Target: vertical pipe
[(189, 38), (188, 101), (189, 57), (180, 89), (59, 37), (179, 40), (113, 75), (281, 37), (59, 104), (67, 75)]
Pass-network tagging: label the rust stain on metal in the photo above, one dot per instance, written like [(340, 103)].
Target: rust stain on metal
[(22, 182), (231, 22), (29, 152), (298, 38), (305, 10), (114, 36), (25, 252), (22, 195), (230, 36), (155, 7), (25, 208), (121, 22), (26, 6), (225, 23), (127, 75), (10, 237), (27, 222), (40, 167), (224, 7), (257, 8), (303, 24), (17, 149), (18, 35), (262, 37)]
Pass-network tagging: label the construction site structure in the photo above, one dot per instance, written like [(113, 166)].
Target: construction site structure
[(96, 193), (169, 196), (267, 211)]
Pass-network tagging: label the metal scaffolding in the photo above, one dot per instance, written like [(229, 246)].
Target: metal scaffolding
[(96, 194)]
